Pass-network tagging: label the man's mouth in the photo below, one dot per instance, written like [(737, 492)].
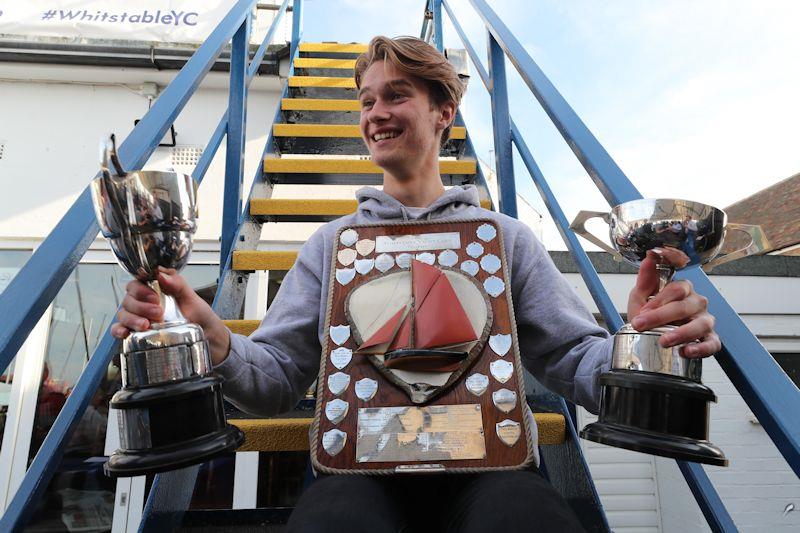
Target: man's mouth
[(385, 135)]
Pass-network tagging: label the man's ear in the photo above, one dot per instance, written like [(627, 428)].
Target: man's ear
[(447, 114)]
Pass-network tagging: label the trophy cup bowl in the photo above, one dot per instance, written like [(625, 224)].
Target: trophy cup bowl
[(652, 399), (170, 408)]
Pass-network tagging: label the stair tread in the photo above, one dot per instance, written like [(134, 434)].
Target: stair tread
[(291, 434), (322, 165), (342, 48), (320, 104), (273, 206), (337, 130), (324, 62), (322, 81), (263, 260)]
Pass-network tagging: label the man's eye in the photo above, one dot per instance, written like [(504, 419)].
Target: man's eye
[(398, 96), (366, 103)]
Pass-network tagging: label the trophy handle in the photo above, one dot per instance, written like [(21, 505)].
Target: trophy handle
[(579, 226), (758, 243)]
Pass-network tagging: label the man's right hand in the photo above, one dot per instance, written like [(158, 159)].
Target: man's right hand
[(140, 307)]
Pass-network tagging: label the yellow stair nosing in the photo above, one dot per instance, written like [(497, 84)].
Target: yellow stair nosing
[(263, 260), (324, 62), (271, 206), (322, 81), (291, 434), (352, 166), (341, 48), (337, 130), (319, 104)]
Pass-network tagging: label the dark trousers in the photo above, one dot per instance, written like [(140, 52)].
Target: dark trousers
[(495, 502)]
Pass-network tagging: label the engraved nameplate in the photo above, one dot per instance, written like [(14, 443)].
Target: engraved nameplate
[(418, 243), (424, 434)]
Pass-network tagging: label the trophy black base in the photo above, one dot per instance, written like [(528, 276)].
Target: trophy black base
[(129, 463), (657, 414), (171, 426)]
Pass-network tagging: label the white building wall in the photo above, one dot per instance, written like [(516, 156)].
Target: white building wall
[(52, 120)]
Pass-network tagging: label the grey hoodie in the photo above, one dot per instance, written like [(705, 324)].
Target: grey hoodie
[(559, 341)]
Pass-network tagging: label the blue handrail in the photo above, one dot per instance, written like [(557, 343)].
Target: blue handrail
[(79, 226), (749, 366)]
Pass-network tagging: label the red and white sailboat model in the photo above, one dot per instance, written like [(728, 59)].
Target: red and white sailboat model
[(430, 332)]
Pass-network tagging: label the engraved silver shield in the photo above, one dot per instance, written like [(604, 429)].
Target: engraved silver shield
[(448, 258), (474, 249), (501, 370), (346, 256), (333, 441), (504, 399), (490, 263), (340, 334), (340, 357), (364, 266), (345, 275), (500, 343), (338, 382), (494, 286), (486, 232), (365, 246), (470, 267), (336, 410), (384, 262), (366, 389), (508, 431), (477, 384), (348, 237)]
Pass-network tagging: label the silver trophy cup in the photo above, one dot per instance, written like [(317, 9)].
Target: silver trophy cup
[(652, 399), (170, 407)]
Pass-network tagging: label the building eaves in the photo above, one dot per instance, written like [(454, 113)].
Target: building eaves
[(111, 53)]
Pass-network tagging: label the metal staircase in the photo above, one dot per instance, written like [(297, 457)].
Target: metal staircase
[(314, 141)]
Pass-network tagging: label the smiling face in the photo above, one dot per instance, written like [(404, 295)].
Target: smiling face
[(399, 124)]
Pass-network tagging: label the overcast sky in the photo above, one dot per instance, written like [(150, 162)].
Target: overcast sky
[(694, 100)]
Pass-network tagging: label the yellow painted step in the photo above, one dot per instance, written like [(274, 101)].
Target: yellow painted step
[(242, 327), (322, 62), (291, 434), (322, 81), (352, 166), (336, 48), (263, 260), (274, 434), (312, 104), (270, 206), (322, 208), (337, 130)]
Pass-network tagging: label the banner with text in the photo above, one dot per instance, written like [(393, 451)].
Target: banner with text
[(174, 21)]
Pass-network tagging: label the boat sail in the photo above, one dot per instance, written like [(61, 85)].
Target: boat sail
[(430, 332)]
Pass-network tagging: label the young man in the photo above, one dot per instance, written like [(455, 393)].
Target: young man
[(409, 94)]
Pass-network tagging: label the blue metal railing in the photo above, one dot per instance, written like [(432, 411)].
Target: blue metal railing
[(755, 374), (37, 283)]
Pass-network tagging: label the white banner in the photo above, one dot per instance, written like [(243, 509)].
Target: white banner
[(174, 21)]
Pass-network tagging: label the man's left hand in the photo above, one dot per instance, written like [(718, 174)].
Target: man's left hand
[(676, 304)]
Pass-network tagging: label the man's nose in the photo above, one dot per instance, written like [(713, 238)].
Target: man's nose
[(379, 112)]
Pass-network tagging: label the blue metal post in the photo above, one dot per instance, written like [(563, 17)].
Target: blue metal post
[(438, 39), (297, 27), (237, 126), (504, 163)]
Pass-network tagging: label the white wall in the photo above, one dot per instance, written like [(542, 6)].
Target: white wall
[(52, 119)]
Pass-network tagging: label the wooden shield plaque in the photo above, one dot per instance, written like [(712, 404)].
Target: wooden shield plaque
[(467, 416)]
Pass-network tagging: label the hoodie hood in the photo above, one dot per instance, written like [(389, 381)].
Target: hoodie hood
[(374, 204)]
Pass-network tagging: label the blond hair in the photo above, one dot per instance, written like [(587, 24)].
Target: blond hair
[(419, 59)]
